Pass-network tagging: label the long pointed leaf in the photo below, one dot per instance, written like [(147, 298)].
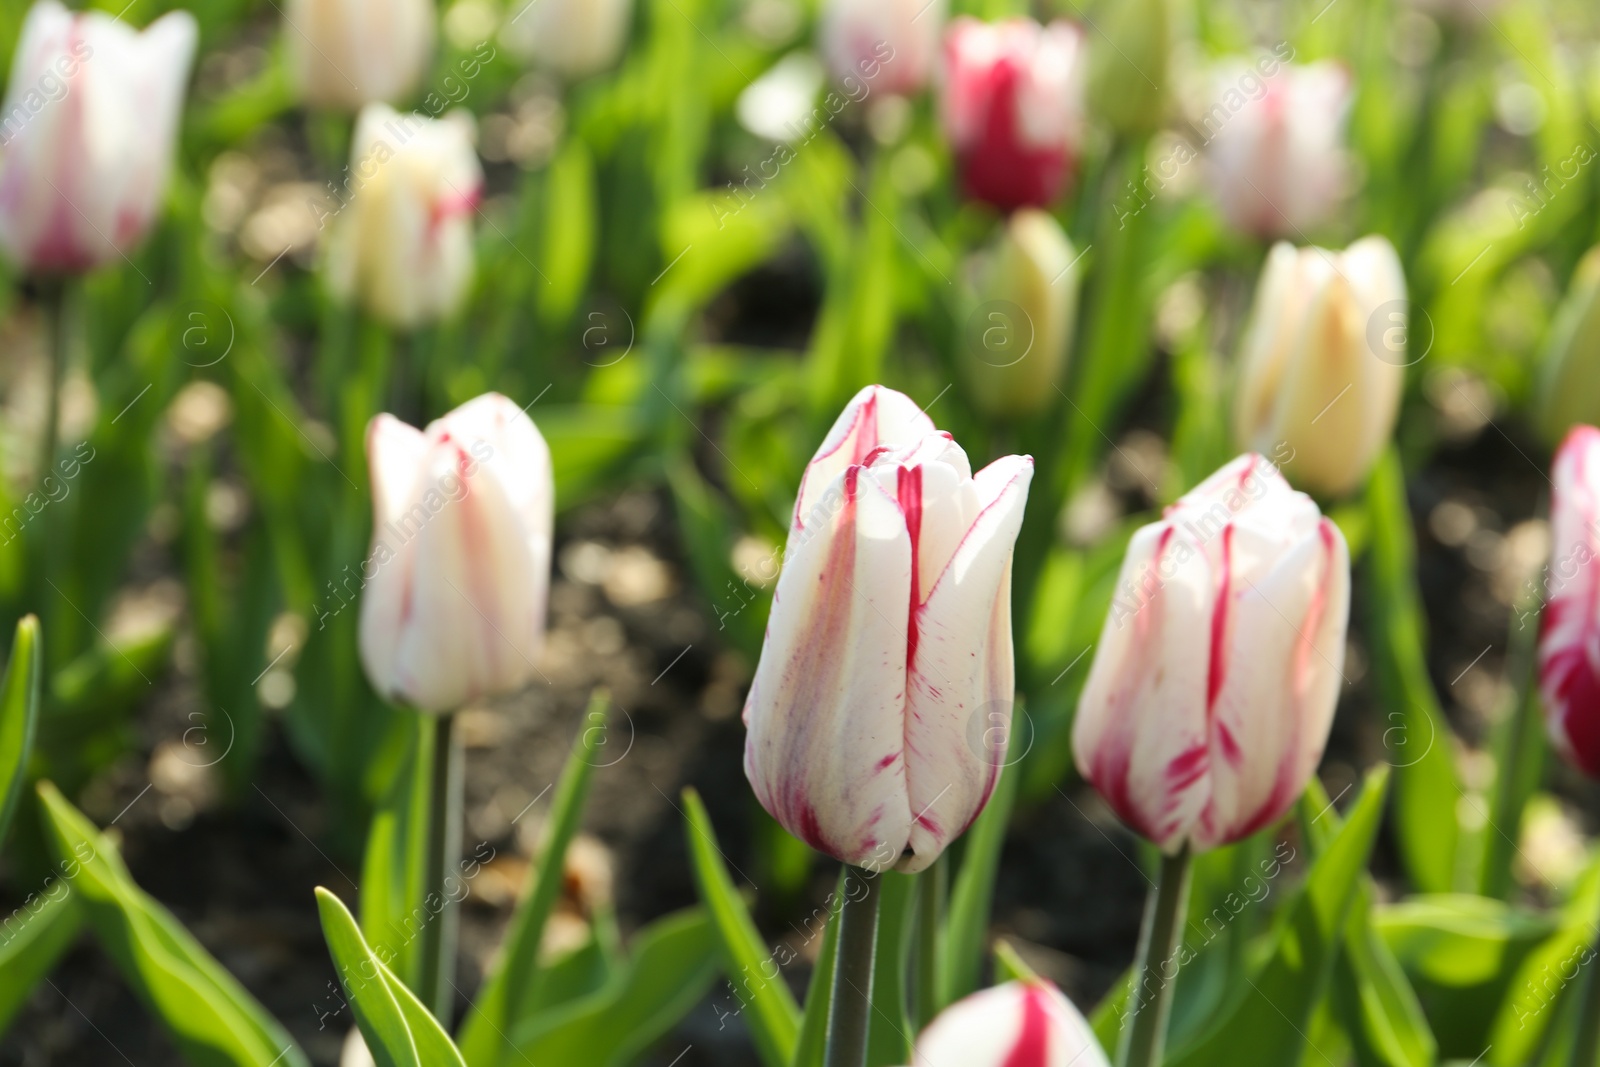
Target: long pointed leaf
[(30, 948), (19, 717)]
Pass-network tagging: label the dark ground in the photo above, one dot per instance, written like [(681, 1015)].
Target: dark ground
[(623, 614)]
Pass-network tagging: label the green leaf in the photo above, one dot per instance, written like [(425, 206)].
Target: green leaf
[(394, 871), (889, 1032), (19, 716), (35, 936), (769, 1007), (569, 231), (1426, 790), (1267, 1021), (674, 961), (212, 1018), (967, 921), (399, 1030), (512, 988), (1009, 966), (819, 992)]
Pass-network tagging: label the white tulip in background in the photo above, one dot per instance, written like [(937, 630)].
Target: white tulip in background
[(91, 117), (1277, 159), (344, 54), (1322, 362), (402, 241), (879, 710), (898, 40), (1011, 1025), (573, 38), (1216, 675), (454, 603)]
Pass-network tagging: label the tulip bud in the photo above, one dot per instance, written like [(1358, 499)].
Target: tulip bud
[(1013, 107), (91, 115), (1322, 362), (1128, 65), (1569, 654), (1214, 682), (889, 45), (878, 712), (573, 38), (455, 584), (1276, 145), (1018, 1024), (1020, 331), (1569, 379), (403, 240), (345, 54)]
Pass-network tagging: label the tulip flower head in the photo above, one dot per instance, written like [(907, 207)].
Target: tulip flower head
[(573, 38), (455, 585), (1018, 1024), (1569, 632), (880, 705), (402, 243), (1013, 107), (1322, 363), (1216, 675), (345, 54), (1276, 146), (897, 40), (91, 116)]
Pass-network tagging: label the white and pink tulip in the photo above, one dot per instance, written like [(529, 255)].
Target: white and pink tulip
[(882, 700), (1018, 1024), (1569, 635), (1214, 682)]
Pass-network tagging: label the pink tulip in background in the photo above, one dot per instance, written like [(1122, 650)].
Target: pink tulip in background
[(1013, 108), (899, 39), (885, 685), (91, 118), (1569, 637), (1216, 675), (456, 582), (1017, 1024)]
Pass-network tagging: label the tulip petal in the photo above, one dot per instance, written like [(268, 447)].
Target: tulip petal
[(517, 455), (1017, 1024), (1569, 637), (960, 682), (824, 748), (875, 418), (395, 453)]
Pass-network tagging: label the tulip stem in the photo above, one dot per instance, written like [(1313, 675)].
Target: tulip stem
[(443, 852), (53, 301), (852, 972), (1587, 1046), (1150, 1000), (930, 915)]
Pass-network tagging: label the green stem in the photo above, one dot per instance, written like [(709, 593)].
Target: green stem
[(443, 853), (852, 972), (1587, 1046), (53, 302), (1151, 999), (930, 914)]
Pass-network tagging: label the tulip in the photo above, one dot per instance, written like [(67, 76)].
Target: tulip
[(345, 54), (1018, 1024), (573, 38), (1322, 362), (1128, 66), (1013, 107), (457, 577), (1276, 145), (1215, 679), (403, 238), (879, 707), (91, 116), (1569, 654), (1569, 380), (890, 45), (1027, 300)]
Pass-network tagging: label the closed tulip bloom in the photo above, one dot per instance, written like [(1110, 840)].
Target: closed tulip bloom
[(1276, 146), (1018, 1024), (1013, 108), (1322, 362), (454, 602), (91, 115), (1215, 678), (345, 54), (573, 38), (879, 710), (402, 243), (1569, 632), (1026, 289), (890, 45), (1569, 379)]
